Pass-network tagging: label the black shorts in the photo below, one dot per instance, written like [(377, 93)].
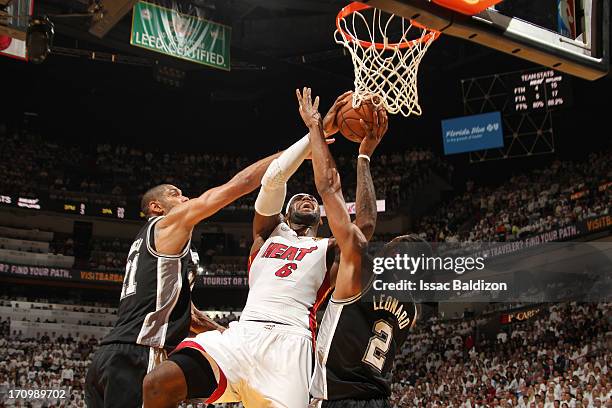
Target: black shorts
[(350, 403), (115, 376)]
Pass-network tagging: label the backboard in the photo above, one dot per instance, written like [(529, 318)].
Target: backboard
[(571, 36), (14, 20)]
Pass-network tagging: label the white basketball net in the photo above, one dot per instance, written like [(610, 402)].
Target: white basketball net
[(388, 70)]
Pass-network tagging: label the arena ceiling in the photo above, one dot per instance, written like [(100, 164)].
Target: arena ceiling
[(267, 35), (277, 45)]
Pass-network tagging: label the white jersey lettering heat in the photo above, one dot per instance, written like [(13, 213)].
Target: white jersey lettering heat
[(287, 279)]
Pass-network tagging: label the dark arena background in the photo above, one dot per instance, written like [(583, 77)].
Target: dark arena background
[(91, 120)]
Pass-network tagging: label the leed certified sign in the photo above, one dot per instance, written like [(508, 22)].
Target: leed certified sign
[(181, 35)]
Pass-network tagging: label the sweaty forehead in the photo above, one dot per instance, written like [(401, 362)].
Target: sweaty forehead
[(304, 196), (173, 189)]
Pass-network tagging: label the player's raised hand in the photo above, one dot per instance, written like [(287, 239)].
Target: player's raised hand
[(374, 132), (309, 110), (330, 125)]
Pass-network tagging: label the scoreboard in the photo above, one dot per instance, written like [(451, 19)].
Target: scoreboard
[(44, 202), (534, 90), (539, 90), (534, 94), (95, 210)]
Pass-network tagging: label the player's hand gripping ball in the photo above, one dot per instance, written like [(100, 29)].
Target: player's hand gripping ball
[(348, 119)]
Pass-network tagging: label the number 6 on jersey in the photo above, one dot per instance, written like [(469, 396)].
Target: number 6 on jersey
[(286, 270)]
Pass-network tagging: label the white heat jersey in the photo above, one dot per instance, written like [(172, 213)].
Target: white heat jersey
[(287, 279)]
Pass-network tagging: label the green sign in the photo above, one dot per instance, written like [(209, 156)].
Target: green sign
[(181, 35)]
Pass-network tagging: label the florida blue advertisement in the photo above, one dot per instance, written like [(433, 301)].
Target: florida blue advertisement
[(472, 133)]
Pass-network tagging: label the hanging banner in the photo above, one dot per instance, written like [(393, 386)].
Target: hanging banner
[(181, 35), (213, 281)]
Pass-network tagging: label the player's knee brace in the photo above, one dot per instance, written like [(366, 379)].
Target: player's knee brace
[(199, 375)]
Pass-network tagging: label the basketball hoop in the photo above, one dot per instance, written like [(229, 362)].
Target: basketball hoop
[(384, 68)]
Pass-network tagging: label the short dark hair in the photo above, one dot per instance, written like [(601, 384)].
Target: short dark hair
[(152, 194)]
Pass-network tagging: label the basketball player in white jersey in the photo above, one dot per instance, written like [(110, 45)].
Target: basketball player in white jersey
[(265, 359)]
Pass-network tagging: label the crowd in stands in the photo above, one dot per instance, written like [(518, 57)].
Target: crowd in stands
[(396, 176), (527, 204), (52, 361), (108, 261), (558, 359), (106, 175), (117, 175), (225, 256), (62, 244), (225, 269), (108, 254), (80, 322), (44, 363), (536, 201)]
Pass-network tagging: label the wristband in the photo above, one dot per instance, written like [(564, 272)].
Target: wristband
[(365, 156)]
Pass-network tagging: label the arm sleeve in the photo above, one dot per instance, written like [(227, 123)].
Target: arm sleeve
[(273, 189)]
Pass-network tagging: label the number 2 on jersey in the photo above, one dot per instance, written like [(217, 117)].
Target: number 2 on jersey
[(286, 270), (376, 353)]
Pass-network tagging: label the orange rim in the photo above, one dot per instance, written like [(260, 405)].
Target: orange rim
[(356, 6)]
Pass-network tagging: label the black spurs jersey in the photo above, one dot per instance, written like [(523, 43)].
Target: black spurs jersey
[(155, 304), (356, 345)]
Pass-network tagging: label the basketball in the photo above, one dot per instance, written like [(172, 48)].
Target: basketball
[(348, 117)]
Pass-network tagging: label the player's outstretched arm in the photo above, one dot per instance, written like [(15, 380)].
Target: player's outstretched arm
[(365, 203), (273, 189), (271, 197), (349, 237), (172, 232)]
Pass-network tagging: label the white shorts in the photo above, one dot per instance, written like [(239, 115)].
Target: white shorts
[(260, 364)]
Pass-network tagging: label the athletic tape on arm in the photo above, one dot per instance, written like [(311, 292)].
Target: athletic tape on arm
[(273, 189)]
